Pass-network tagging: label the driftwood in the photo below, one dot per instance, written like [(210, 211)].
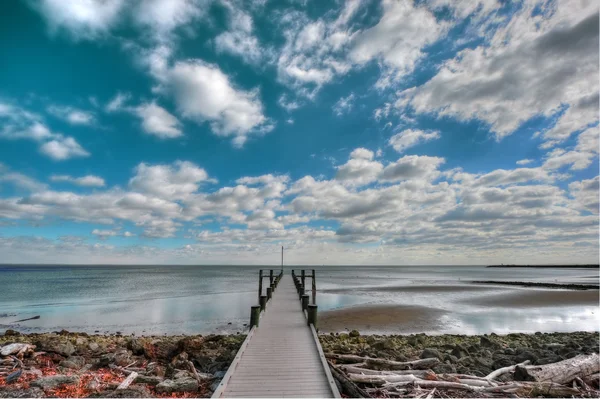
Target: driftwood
[(382, 379), (127, 381), (360, 370), (562, 372), (504, 370), (390, 364), (348, 386)]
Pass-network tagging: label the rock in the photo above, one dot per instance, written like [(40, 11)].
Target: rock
[(451, 358), (180, 361), (526, 355), (485, 342), (548, 360), (203, 362), (122, 357), (465, 361), (80, 341), (220, 374), (73, 362), (13, 333), (460, 351), (430, 352), (180, 385), (105, 360), (214, 385), (354, 333), (444, 368), (93, 346), (92, 385), (502, 361), (179, 374), (135, 346), (148, 379), (509, 351), (56, 345), (131, 392), (55, 380), (21, 393), (385, 344), (161, 349), (15, 348), (485, 362)]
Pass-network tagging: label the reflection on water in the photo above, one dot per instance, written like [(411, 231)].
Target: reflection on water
[(188, 299)]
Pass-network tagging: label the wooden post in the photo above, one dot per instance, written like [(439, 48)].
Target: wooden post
[(254, 316), (263, 302), (304, 302), (312, 315), (259, 283), (301, 292), (271, 276), (269, 293), (314, 287), (303, 277), (273, 286)]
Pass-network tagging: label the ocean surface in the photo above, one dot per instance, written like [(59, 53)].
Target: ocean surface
[(216, 299)]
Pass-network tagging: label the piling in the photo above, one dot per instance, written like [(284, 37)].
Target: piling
[(260, 283), (302, 273), (301, 292), (304, 302), (254, 316), (263, 302), (312, 315), (271, 277), (269, 293)]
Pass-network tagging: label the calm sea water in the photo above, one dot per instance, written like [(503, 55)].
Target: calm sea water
[(203, 299)]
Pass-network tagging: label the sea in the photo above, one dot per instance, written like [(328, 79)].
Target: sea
[(174, 299)]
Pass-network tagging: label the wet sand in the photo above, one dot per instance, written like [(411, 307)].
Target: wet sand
[(381, 317), (410, 288), (538, 298)]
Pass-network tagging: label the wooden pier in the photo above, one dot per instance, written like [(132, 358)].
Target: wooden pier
[(281, 356)]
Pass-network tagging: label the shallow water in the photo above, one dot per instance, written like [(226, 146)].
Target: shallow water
[(203, 299)]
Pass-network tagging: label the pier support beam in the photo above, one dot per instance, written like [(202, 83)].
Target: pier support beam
[(304, 302), (263, 302), (312, 315), (269, 293), (254, 316)]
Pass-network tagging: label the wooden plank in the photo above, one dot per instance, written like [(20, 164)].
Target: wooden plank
[(281, 359)]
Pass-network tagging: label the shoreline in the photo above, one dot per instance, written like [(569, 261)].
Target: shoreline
[(83, 365), (541, 285), (586, 266)]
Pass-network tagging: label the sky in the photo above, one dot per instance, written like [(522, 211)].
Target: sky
[(350, 132)]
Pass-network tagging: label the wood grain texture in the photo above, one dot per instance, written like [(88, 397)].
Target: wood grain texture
[(281, 359)]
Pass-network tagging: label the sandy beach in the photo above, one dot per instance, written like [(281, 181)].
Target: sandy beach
[(539, 298)]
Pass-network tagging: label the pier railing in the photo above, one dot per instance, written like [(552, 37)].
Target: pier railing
[(274, 279), (309, 309)]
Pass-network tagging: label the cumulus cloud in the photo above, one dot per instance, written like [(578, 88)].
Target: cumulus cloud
[(536, 65), (63, 148), (162, 17), (239, 39), (344, 105), (84, 181), (205, 94), (586, 193), (158, 122), (81, 19), (168, 181), (118, 102), (410, 138), (524, 161), (72, 115)]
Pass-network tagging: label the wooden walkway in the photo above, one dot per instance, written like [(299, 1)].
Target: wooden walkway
[(282, 356)]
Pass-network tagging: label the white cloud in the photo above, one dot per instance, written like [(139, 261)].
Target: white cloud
[(535, 65), (344, 105), (410, 138), (104, 234), (168, 181), (158, 121), (162, 17), (85, 181), (83, 19), (239, 39), (72, 115), (397, 39), (204, 93), (19, 180), (63, 148), (287, 104), (524, 161), (411, 167), (586, 194), (118, 102)]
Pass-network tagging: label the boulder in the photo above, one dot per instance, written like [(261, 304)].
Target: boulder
[(135, 346), (93, 346), (460, 351), (54, 381), (122, 357), (73, 362), (526, 355), (15, 348), (354, 333), (15, 392), (131, 392), (10, 332), (55, 344), (161, 349), (485, 342), (148, 379), (430, 352), (444, 368), (185, 384)]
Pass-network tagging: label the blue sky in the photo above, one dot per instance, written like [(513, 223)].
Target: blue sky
[(356, 132)]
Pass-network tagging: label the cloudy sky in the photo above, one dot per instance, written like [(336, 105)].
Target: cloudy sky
[(350, 132)]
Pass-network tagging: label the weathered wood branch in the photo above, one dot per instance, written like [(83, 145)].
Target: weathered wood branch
[(390, 364), (381, 379), (360, 370), (562, 372), (504, 370), (348, 386), (127, 381)]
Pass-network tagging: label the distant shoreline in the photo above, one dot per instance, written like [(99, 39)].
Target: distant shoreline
[(550, 266)]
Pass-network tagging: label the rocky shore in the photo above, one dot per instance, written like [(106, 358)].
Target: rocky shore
[(460, 355), (65, 364), (68, 364)]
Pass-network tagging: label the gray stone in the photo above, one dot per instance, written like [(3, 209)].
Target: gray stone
[(56, 345), (460, 351), (148, 379), (105, 360), (73, 362), (55, 380), (354, 333), (444, 368), (180, 385), (10, 392), (526, 355), (93, 346), (220, 374), (136, 347), (122, 357), (485, 362), (131, 392), (430, 352)]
